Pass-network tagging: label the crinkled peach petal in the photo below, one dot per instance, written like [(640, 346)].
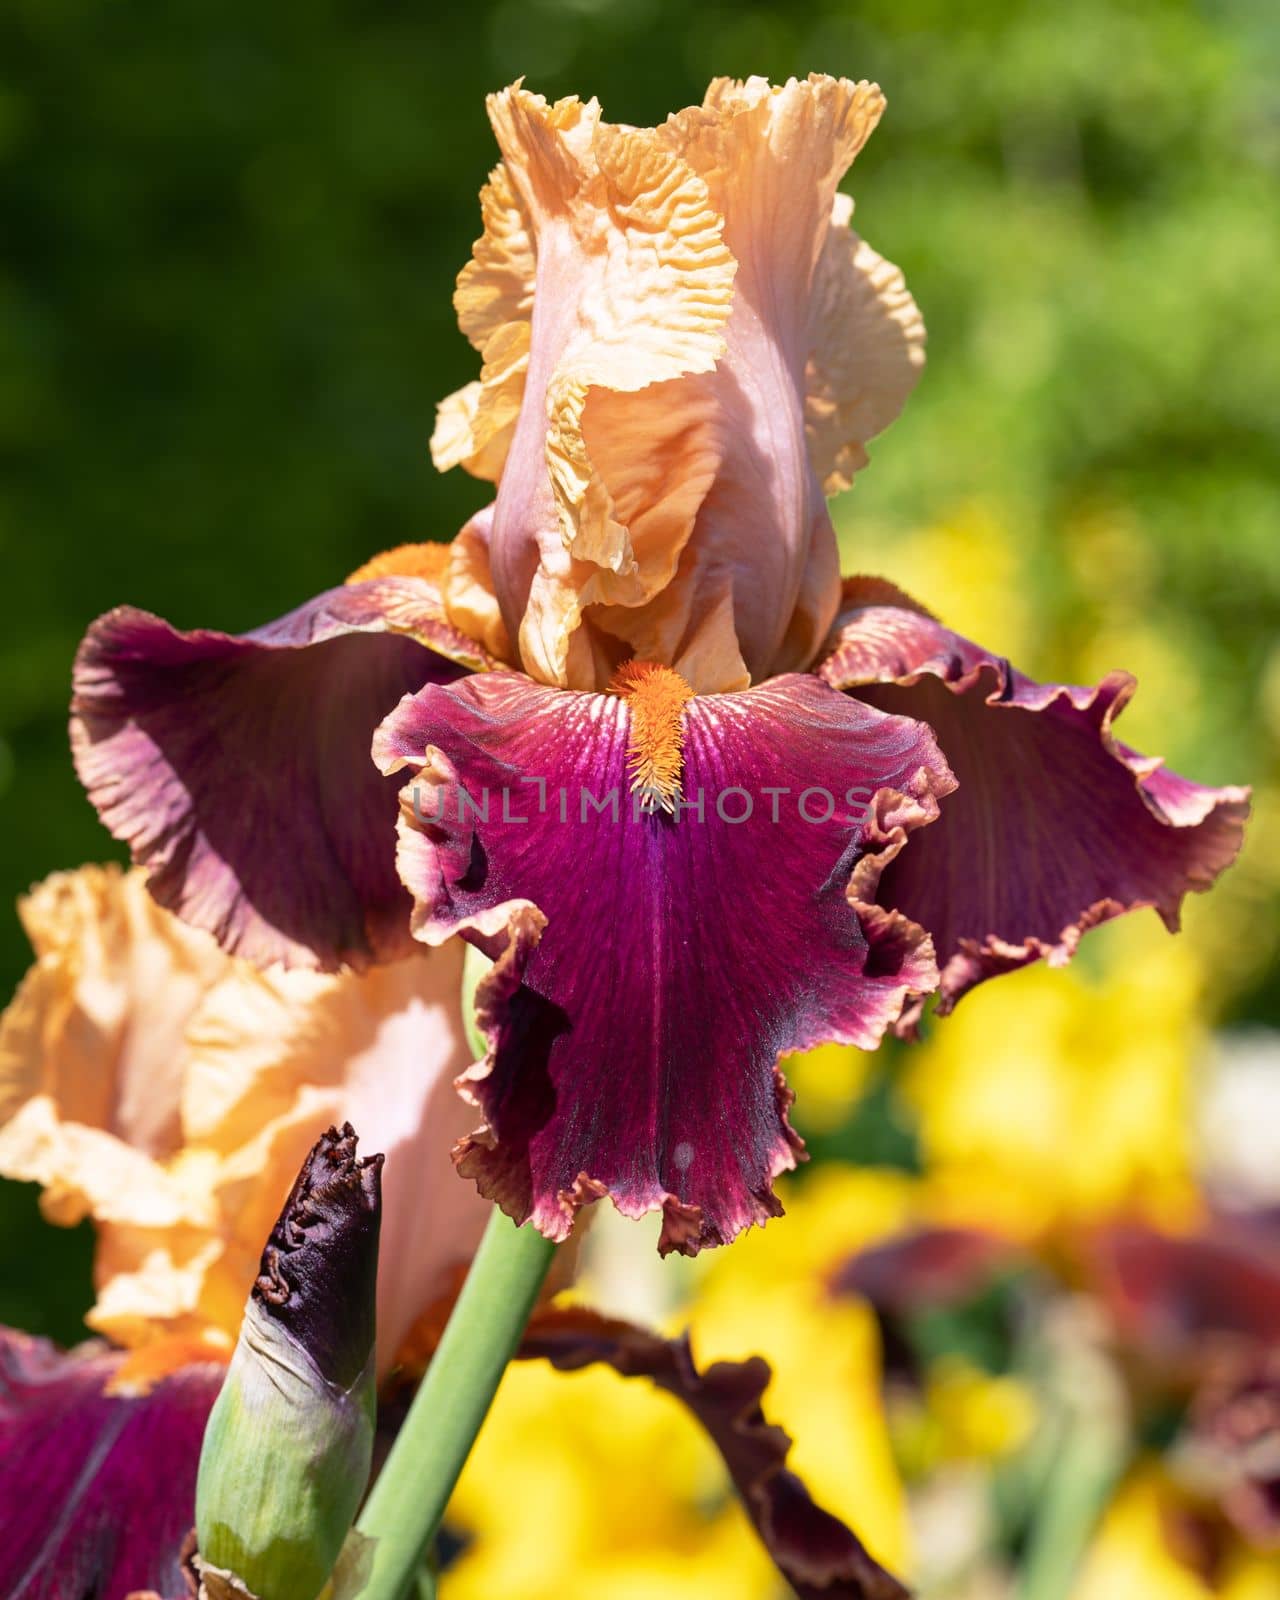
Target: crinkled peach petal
[(475, 424), (88, 1172), (494, 302), (698, 320), (89, 1099), (248, 1067), (772, 158), (381, 1052), (866, 351), (469, 597), (629, 234), (635, 286), (154, 1285), (103, 946)]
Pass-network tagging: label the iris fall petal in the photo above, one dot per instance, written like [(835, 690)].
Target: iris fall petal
[(236, 767), (98, 1469), (1055, 825), (649, 968)]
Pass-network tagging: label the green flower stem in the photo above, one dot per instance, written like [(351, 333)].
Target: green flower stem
[(1089, 1461), (407, 1502)]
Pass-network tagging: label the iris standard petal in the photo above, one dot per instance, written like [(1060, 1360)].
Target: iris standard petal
[(634, 1041), (236, 767), (98, 1467), (685, 346), (1055, 826)]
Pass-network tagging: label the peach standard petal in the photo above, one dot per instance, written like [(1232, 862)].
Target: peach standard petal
[(684, 344)]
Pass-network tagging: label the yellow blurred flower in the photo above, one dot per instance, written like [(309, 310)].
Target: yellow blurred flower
[(1056, 1097), (620, 1496), (976, 1417), (826, 1082), (969, 567), (1136, 1553)]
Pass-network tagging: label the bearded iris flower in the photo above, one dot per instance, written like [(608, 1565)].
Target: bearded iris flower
[(685, 349)]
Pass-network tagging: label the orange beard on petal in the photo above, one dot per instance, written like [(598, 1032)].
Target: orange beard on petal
[(657, 697), (151, 1364), (429, 560)]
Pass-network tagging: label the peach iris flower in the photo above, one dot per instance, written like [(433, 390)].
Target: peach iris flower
[(170, 1091)]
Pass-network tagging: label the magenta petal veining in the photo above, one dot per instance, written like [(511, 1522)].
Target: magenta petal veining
[(651, 968), (97, 1472)]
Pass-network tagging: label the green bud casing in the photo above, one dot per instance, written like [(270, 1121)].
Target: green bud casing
[(287, 1449)]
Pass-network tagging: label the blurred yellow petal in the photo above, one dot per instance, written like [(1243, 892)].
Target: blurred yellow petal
[(1135, 1553), (979, 1417), (971, 565), (827, 1082), (621, 1494), (1061, 1096)]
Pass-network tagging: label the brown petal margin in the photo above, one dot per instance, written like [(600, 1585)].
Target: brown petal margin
[(818, 1555), (1055, 827)]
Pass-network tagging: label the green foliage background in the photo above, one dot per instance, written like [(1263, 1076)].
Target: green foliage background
[(230, 233)]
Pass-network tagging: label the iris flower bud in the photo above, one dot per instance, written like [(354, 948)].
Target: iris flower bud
[(287, 1449)]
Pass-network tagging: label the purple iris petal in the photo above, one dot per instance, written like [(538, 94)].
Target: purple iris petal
[(1055, 826), (1235, 1422), (926, 1267), (237, 767), (634, 1041), (1174, 1295), (97, 1489)]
